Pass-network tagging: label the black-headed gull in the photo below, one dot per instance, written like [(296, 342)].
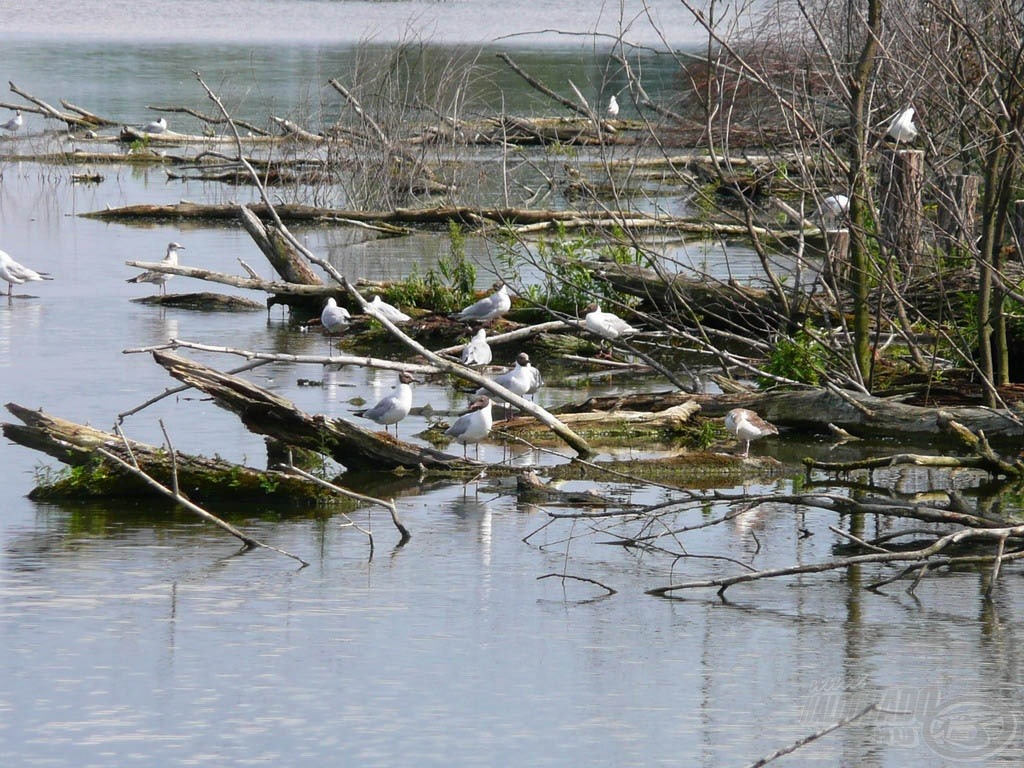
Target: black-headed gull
[(381, 308), (156, 126), (605, 324), (160, 278), (613, 106), (490, 308), (477, 351), (747, 426), (834, 208), (472, 426), (902, 127), (13, 272), (14, 123), (334, 319), (521, 379), (392, 408)]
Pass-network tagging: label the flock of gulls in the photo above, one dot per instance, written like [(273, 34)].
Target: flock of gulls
[(523, 378)]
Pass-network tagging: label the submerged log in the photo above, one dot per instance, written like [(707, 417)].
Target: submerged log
[(200, 477), (268, 414)]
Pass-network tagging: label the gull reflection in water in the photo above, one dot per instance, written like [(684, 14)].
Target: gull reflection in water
[(473, 509)]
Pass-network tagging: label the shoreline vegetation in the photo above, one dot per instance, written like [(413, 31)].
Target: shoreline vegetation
[(887, 303)]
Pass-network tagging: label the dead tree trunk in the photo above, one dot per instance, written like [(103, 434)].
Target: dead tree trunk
[(267, 414)]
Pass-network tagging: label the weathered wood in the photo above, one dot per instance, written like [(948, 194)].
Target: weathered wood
[(902, 182), (814, 409), (957, 214), (268, 414), (286, 261), (200, 477)]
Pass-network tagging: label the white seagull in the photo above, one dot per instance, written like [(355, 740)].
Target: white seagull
[(489, 308), (383, 309), (160, 278), (605, 324), (473, 426), (521, 379), (13, 272), (902, 127), (156, 126), (613, 106), (334, 319), (477, 351), (14, 123), (834, 208), (747, 426), (392, 408)]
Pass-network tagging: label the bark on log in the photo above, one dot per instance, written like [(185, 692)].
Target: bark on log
[(814, 409), (267, 414), (286, 261), (200, 477)]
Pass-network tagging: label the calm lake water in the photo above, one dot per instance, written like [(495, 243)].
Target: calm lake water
[(132, 634)]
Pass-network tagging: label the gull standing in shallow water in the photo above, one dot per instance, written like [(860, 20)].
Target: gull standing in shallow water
[(394, 407), (13, 272), (334, 319), (489, 308), (477, 351), (472, 426), (748, 426), (381, 308), (14, 123), (160, 278)]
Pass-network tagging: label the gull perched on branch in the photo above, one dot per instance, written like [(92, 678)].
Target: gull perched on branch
[(13, 272), (490, 308), (160, 278), (14, 123), (605, 324)]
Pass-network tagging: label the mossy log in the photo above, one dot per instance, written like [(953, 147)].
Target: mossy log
[(268, 414), (201, 478)]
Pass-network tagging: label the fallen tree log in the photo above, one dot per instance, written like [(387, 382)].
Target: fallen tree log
[(265, 413), (202, 478), (815, 409)]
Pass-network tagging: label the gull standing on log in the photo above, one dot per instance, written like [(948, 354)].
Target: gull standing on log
[(477, 351), (490, 308), (605, 324), (160, 278), (521, 379), (13, 272), (748, 426), (902, 127), (613, 106), (381, 308), (473, 426), (392, 408), (14, 123)]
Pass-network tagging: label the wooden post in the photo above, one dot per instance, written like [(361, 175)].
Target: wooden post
[(902, 179), (1018, 225), (957, 215)]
